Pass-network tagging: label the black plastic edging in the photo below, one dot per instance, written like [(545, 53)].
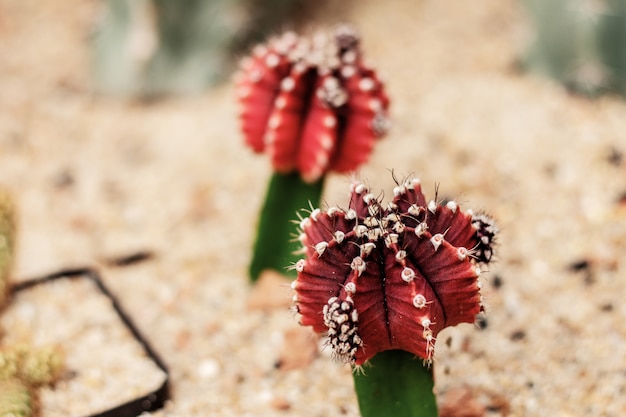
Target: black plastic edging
[(149, 402)]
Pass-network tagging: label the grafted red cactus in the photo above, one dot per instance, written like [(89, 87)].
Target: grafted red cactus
[(378, 278), (311, 103)]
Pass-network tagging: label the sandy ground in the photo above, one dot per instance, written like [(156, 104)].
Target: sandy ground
[(97, 178)]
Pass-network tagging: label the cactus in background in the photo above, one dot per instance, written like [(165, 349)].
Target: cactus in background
[(152, 47), (22, 370), (313, 106), (580, 43), (33, 366), (381, 281), (7, 242), (16, 399)]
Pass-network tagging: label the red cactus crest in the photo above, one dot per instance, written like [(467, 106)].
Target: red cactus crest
[(312, 104), (379, 278)]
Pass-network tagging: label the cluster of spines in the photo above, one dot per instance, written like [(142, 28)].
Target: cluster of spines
[(486, 232), (311, 103), (341, 319), (380, 235)]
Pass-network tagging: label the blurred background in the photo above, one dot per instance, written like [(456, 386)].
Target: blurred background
[(119, 134)]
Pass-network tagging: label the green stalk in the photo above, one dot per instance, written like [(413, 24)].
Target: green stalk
[(275, 244), (396, 385)]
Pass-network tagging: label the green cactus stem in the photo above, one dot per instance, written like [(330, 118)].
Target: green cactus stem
[(275, 246), (16, 399), (7, 242), (396, 384)]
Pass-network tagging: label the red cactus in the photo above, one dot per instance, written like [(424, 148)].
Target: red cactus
[(378, 278), (311, 104)]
